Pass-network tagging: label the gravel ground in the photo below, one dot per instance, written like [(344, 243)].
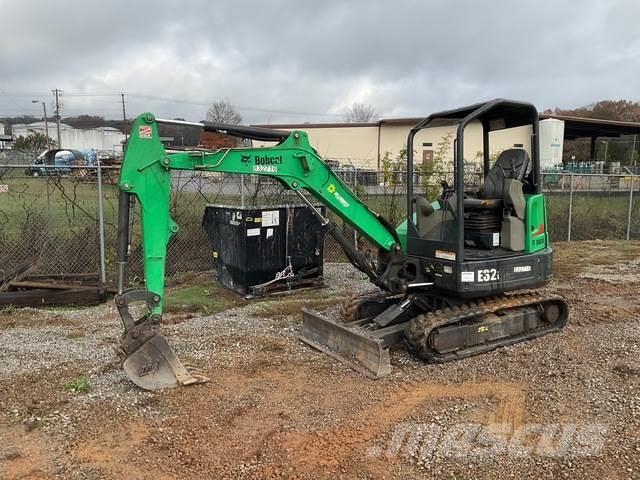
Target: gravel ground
[(564, 406)]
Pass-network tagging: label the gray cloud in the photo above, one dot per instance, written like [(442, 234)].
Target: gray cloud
[(405, 57)]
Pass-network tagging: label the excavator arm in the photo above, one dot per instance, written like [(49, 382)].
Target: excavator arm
[(146, 174)]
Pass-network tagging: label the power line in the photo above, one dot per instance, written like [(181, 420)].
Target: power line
[(267, 113), (237, 107), (39, 94), (181, 101)]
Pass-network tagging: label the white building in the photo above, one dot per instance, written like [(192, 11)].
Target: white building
[(101, 138), (364, 145)]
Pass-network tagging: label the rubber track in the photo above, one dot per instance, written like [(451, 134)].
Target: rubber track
[(417, 335), (349, 307)]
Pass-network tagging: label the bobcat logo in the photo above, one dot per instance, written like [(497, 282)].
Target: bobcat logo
[(245, 158)]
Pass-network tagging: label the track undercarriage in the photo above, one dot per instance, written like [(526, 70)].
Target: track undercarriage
[(434, 328)]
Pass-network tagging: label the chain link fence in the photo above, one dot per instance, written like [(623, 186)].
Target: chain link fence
[(53, 220)]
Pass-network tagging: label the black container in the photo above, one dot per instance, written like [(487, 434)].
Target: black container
[(258, 250)]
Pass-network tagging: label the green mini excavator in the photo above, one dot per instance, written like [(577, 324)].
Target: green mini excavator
[(441, 276)]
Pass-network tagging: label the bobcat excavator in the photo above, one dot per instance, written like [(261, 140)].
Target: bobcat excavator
[(442, 275)]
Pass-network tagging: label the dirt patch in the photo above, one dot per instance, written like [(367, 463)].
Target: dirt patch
[(276, 408), (115, 452), (573, 258), (27, 317), (24, 454), (330, 451), (291, 307)]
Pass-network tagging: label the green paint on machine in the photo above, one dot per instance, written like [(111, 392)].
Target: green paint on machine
[(146, 172), (536, 236)]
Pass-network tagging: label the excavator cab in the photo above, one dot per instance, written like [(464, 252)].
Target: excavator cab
[(490, 237), (463, 254)]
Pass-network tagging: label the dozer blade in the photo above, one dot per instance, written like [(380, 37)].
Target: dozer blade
[(350, 344), (154, 366)]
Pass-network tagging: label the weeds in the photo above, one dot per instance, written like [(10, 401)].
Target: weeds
[(8, 310), (204, 296), (78, 385), (74, 335)]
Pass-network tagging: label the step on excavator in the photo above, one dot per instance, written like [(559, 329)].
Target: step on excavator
[(446, 277)]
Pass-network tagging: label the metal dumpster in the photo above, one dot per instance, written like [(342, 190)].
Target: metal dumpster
[(265, 249)]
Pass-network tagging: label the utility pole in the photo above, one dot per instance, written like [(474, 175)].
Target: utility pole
[(46, 123), (633, 151), (124, 117), (57, 93)]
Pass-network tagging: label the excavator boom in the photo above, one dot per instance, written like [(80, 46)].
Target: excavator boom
[(146, 174)]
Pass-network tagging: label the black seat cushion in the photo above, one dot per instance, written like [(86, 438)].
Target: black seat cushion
[(511, 163), (482, 203)]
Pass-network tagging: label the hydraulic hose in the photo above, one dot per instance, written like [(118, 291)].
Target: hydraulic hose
[(123, 238)]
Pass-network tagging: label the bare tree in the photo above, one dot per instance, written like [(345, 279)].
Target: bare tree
[(223, 111), (34, 143), (360, 113)]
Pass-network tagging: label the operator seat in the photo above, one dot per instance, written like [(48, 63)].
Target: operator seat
[(499, 206), (510, 164)]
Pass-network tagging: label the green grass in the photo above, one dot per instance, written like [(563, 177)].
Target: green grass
[(67, 203), (200, 295), (71, 204), (593, 216), (62, 210), (78, 385), (64, 224)]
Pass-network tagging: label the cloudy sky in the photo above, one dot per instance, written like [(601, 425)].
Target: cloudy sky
[(308, 60)]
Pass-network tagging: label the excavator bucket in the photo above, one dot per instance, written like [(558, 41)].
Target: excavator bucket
[(366, 351), (146, 355), (154, 366)]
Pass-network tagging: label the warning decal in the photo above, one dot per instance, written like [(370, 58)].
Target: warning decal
[(144, 131)]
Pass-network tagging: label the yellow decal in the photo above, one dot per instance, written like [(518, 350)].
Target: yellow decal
[(331, 188), (483, 328)]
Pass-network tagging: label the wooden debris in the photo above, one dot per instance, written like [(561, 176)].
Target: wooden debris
[(22, 288), (22, 271), (51, 297)]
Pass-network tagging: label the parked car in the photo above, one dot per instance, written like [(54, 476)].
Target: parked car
[(57, 161)]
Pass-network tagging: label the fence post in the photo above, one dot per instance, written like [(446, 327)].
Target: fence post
[(630, 203), (570, 206), (103, 273), (355, 190), (242, 190)]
